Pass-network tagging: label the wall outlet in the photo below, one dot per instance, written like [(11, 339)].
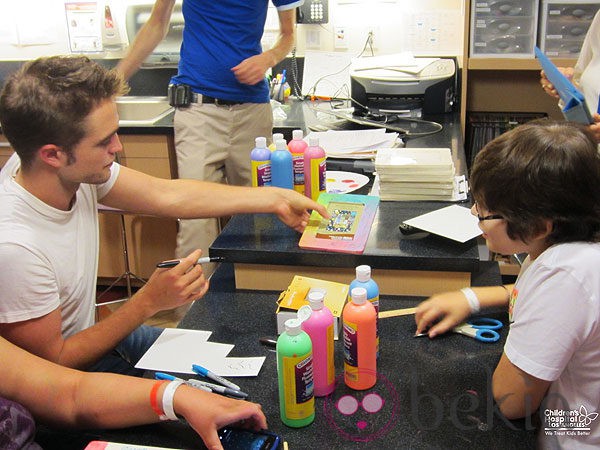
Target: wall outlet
[(313, 38), (340, 39)]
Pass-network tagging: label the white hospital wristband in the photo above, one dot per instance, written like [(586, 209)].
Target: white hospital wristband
[(167, 399), (472, 299)]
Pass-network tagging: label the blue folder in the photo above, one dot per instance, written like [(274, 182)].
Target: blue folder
[(575, 108)]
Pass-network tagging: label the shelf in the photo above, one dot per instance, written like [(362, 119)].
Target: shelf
[(514, 63)]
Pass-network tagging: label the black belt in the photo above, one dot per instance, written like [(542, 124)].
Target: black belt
[(200, 98)]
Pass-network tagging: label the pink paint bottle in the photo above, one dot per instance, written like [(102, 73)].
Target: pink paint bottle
[(297, 147), (319, 326), (315, 170)]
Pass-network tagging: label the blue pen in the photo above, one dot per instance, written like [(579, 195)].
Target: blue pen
[(166, 376), (208, 374)]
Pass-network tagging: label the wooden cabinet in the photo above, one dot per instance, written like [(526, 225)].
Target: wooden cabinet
[(503, 84), (149, 239), (5, 150)]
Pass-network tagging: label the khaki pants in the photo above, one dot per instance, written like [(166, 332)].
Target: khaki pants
[(213, 143)]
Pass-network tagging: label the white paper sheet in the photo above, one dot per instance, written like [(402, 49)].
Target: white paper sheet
[(454, 222), (176, 350)]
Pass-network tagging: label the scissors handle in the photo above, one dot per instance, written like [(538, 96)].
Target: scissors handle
[(487, 335), (486, 323)]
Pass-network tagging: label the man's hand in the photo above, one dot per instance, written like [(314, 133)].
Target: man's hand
[(170, 288), (549, 87), (252, 70), (293, 208)]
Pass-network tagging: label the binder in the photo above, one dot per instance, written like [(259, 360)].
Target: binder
[(575, 108)]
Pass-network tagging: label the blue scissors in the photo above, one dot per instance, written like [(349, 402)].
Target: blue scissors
[(481, 328)]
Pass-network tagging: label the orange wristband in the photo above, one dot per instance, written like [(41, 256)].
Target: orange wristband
[(154, 400)]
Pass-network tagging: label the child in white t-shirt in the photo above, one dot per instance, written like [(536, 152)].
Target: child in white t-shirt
[(536, 190)]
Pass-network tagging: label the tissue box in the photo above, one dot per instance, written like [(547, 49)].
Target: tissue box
[(296, 295)]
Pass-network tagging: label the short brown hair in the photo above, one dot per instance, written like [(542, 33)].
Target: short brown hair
[(47, 100), (538, 171)]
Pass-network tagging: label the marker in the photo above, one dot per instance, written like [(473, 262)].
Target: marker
[(208, 374), (166, 376), (268, 342), (203, 260), (204, 385)]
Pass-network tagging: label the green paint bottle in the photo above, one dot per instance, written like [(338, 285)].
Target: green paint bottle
[(295, 376)]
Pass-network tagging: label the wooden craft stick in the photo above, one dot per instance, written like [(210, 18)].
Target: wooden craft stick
[(396, 312)]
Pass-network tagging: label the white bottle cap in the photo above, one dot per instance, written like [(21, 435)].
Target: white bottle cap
[(277, 136), (260, 142), (316, 299), (293, 326), (359, 295), (313, 141), (280, 144), (297, 134), (363, 273)]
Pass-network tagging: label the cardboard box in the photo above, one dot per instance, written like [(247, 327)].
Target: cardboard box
[(296, 295)]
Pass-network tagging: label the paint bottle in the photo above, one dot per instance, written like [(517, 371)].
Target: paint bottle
[(295, 376), (315, 170), (282, 169), (363, 279), (297, 147), (260, 159), (360, 334), (319, 326), (276, 137)]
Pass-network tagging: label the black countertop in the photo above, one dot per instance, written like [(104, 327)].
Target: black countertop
[(436, 392)]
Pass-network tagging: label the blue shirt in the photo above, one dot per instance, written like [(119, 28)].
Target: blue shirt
[(218, 35)]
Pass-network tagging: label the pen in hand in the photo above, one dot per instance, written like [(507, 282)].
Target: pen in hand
[(203, 260), (213, 376), (205, 386)]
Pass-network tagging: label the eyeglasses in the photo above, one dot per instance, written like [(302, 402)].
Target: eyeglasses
[(488, 217)]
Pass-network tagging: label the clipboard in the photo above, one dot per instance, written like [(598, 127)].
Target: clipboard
[(347, 231), (575, 108)]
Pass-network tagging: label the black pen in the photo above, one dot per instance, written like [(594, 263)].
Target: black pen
[(203, 260)]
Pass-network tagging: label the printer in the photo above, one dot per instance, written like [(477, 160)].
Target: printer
[(402, 84)]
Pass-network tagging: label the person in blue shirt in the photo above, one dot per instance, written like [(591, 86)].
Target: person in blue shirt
[(223, 66)]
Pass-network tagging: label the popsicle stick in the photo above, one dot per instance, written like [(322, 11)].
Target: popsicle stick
[(396, 312)]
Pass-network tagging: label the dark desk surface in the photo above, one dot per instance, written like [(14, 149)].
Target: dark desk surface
[(436, 392)]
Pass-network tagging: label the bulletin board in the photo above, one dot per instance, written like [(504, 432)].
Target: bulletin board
[(348, 228)]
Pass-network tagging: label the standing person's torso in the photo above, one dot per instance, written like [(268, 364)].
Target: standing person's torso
[(218, 35), (588, 66)]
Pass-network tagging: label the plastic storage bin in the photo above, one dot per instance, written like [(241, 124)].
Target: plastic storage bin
[(564, 24), (503, 28)]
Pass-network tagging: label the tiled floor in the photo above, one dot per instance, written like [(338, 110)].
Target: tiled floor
[(164, 319)]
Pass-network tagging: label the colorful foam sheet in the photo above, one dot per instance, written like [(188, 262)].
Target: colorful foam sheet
[(347, 230)]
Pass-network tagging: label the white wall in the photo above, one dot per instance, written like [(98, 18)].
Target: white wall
[(32, 28)]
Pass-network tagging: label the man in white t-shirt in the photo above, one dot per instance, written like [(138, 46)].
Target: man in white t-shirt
[(537, 191), (60, 116)]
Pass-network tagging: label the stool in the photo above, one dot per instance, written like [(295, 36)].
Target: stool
[(128, 275)]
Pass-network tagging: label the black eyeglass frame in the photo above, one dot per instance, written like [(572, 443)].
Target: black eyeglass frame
[(488, 217)]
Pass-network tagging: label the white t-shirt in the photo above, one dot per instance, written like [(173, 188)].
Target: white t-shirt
[(555, 336), (587, 69), (49, 257)]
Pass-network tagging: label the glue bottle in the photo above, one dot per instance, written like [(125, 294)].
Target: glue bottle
[(276, 137), (297, 147), (360, 334), (260, 158), (319, 326), (315, 171), (282, 169), (295, 376), (363, 279)]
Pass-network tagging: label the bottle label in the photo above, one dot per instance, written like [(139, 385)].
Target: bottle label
[(298, 163), (330, 356), (351, 350), (261, 173), (375, 302), (318, 177), (298, 386), (322, 176)]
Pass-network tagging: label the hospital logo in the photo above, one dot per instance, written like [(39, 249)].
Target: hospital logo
[(568, 422)]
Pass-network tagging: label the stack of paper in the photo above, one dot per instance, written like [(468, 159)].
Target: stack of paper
[(353, 144), (415, 174)]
